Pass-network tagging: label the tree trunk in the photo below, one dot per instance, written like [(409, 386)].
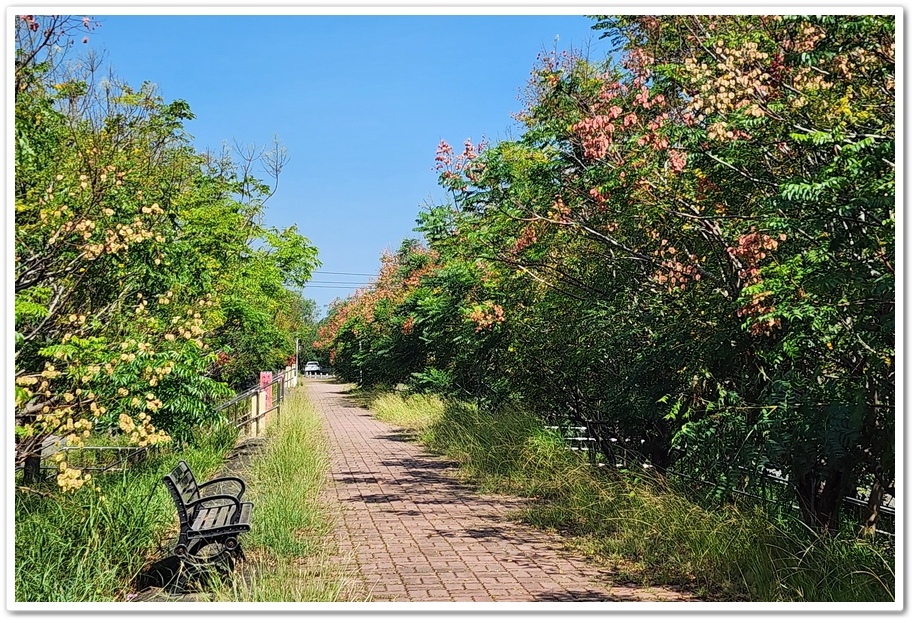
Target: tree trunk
[(31, 472), (872, 510), (819, 497)]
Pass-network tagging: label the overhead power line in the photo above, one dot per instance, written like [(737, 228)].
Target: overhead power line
[(328, 272)]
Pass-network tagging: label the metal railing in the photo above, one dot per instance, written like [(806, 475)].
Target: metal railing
[(578, 439), (94, 459), (249, 411)]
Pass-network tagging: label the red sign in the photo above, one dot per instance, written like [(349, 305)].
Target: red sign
[(267, 379)]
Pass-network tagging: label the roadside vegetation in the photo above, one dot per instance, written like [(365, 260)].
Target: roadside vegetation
[(635, 521), (689, 250), (291, 553), (93, 544), (148, 288), (688, 253)]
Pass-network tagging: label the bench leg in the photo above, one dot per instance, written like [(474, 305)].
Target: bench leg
[(204, 552), (196, 570)]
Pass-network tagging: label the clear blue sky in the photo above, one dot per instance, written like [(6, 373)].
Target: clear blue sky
[(360, 102)]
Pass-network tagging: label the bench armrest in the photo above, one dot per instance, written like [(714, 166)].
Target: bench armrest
[(237, 481)]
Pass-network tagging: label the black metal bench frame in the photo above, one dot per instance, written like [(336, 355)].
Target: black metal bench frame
[(218, 518)]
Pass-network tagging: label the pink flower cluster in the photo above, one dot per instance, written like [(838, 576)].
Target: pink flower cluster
[(453, 167), (647, 102), (677, 159), (599, 197), (751, 250), (674, 274), (407, 325), (638, 60), (528, 238), (596, 133), (486, 315), (755, 309), (31, 21), (653, 138)]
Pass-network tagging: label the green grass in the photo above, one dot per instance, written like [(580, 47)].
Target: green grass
[(635, 522), (89, 545), (415, 412), (290, 550)]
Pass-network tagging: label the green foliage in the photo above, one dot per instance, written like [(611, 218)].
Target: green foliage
[(103, 545), (648, 529), (289, 549), (704, 217), (90, 546), (147, 287)]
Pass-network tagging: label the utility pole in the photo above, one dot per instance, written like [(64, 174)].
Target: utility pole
[(297, 356)]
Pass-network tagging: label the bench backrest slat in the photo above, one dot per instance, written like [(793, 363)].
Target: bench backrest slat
[(183, 488)]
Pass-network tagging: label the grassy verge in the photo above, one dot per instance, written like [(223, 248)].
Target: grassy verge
[(634, 522), (290, 552), (415, 412), (91, 544)]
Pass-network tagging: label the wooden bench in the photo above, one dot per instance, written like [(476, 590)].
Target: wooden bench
[(208, 518)]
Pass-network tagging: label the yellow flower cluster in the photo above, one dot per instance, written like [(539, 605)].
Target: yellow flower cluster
[(806, 40), (69, 478), (735, 82), (50, 372), (124, 235), (141, 431), (191, 326), (51, 212), (807, 80), (112, 169), (61, 422), (84, 227)]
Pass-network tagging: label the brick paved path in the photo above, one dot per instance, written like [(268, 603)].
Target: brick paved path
[(416, 533)]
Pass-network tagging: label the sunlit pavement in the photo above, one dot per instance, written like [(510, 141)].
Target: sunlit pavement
[(416, 533)]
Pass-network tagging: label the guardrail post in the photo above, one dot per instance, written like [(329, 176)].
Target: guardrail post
[(250, 429), (266, 402), (262, 408)]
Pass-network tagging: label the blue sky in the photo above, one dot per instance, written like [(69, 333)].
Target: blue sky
[(359, 101)]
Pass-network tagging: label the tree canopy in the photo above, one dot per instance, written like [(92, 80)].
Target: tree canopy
[(691, 249), (147, 285)]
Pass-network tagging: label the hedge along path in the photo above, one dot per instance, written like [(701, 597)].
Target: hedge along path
[(414, 532)]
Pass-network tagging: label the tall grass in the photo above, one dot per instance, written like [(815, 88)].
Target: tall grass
[(89, 545), (636, 522), (92, 545), (416, 412), (291, 552)]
